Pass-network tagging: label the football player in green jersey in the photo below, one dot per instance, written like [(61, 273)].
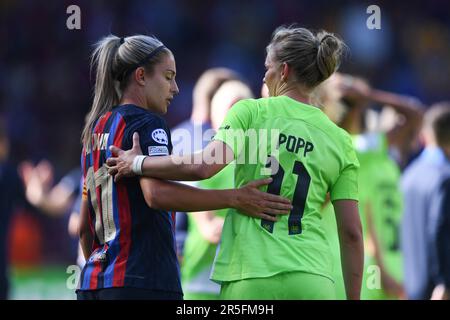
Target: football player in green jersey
[(306, 155), (205, 228)]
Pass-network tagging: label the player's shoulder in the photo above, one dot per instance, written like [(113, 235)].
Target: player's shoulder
[(255, 107), (245, 104), (336, 134), (148, 124), (136, 117)]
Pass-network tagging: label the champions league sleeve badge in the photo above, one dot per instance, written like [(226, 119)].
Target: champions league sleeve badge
[(160, 136)]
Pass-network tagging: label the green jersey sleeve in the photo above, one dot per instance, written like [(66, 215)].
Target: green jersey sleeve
[(234, 127), (346, 185)]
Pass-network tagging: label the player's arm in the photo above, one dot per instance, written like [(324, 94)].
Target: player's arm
[(227, 144), (352, 247), (169, 195), (84, 229), (53, 201), (390, 285), (360, 94), (411, 109), (190, 167)]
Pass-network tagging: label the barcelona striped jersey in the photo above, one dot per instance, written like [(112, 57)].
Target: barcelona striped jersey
[(133, 244)]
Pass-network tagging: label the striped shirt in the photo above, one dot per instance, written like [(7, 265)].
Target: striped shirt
[(133, 244)]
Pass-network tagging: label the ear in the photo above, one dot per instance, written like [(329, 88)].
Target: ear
[(139, 75), (284, 71)]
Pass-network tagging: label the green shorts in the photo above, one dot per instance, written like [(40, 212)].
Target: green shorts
[(200, 296), (283, 286)]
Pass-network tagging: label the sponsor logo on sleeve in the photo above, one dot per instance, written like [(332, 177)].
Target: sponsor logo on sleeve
[(160, 136), (158, 151)]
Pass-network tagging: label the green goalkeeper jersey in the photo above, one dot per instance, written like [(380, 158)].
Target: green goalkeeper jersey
[(307, 156)]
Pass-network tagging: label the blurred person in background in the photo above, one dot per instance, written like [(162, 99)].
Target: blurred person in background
[(425, 232), (205, 228), (290, 258), (60, 200), (54, 200), (195, 130), (126, 231), (29, 187), (12, 195), (345, 99)]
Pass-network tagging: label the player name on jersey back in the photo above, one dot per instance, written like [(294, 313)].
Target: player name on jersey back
[(99, 142), (295, 144)]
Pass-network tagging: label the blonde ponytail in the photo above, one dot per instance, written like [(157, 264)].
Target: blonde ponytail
[(106, 93)]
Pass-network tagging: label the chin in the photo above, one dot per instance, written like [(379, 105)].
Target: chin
[(163, 110)]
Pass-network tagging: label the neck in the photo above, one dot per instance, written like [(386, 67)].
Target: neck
[(294, 92), (131, 97), (300, 97)]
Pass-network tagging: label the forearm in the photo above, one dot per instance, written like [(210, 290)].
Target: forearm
[(403, 134), (351, 244), (84, 230), (352, 259), (181, 168), (54, 206), (54, 202), (409, 107), (191, 167), (168, 195), (372, 235), (86, 240)]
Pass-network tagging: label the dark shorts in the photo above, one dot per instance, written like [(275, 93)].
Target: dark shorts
[(127, 294)]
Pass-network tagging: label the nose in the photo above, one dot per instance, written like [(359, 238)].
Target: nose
[(174, 88)]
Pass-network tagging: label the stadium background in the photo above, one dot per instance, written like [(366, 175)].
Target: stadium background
[(45, 83)]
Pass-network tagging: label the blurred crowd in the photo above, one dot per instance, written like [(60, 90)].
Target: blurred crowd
[(46, 86)]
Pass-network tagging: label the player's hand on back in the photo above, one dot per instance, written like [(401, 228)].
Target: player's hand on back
[(258, 204), (120, 165)]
